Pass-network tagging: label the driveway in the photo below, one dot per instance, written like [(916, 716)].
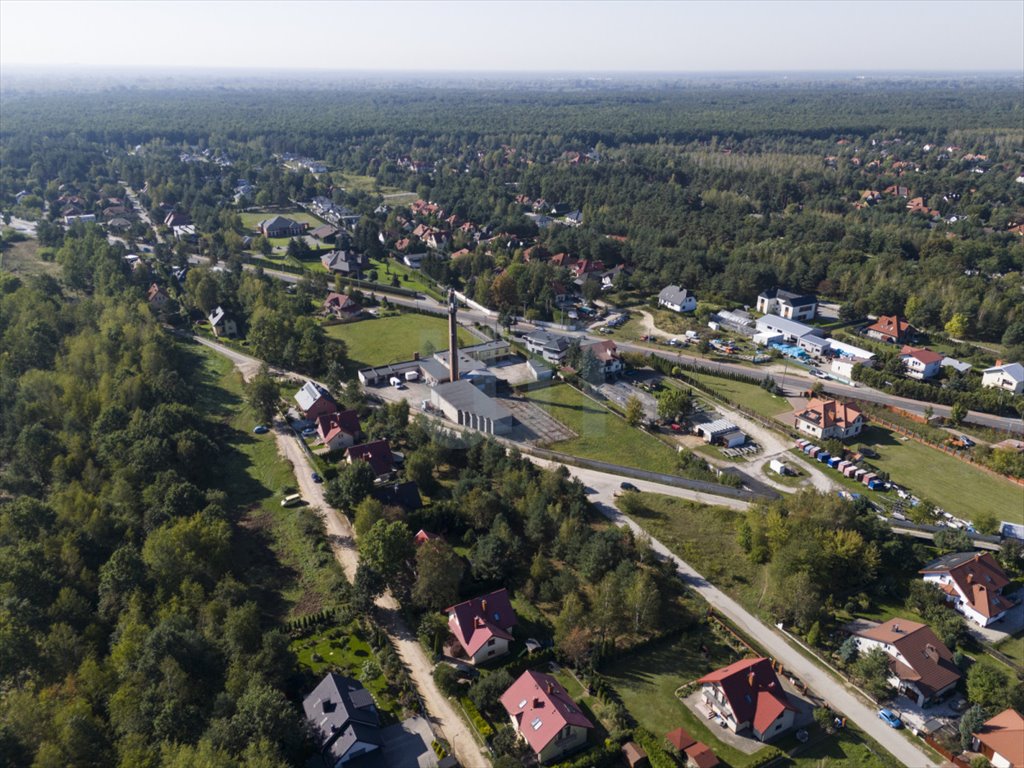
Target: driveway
[(1011, 624), (406, 745)]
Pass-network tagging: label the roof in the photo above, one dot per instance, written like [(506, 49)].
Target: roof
[(680, 738), (605, 351), (482, 618), (926, 662), (217, 315), (979, 578), (787, 326), (549, 340), (700, 755), (949, 362), (1004, 734), (753, 692), (377, 453), (829, 413), (342, 712), (633, 753), (277, 222), (673, 294), (463, 396), (891, 325), (405, 495), (1014, 370), (341, 301), (923, 356), (310, 393), (540, 708), (330, 425), (717, 427), (423, 536), (793, 299)]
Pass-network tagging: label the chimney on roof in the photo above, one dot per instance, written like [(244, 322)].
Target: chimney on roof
[(896, 629), (931, 652), (750, 678), (970, 578), (483, 605)]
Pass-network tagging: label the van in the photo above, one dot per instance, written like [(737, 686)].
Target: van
[(291, 500), (397, 383)]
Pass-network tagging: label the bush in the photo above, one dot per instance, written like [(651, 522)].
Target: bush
[(447, 679), (475, 718)]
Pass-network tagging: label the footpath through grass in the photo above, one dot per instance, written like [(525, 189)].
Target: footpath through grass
[(396, 338), (602, 435)]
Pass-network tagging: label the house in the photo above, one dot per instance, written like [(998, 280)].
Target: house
[(345, 262), (483, 625), (747, 695), (613, 277), (405, 495), (790, 330), (157, 296), (1007, 377), (1001, 740), (177, 219), (550, 346), (545, 716), (222, 324), (698, 754), (423, 536), (377, 454), (344, 718), (463, 403), (313, 400), (83, 218), (119, 222), (607, 355), (635, 755), (920, 363), (341, 306), (829, 419), (973, 582), (574, 218), (338, 430), (792, 306), (956, 365), (281, 226), (677, 299), (891, 329), (921, 667), (326, 233)]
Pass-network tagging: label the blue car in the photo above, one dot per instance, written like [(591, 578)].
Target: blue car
[(261, 429), (317, 478), (891, 718)]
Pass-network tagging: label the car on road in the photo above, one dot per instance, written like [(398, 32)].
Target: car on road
[(309, 432), (891, 718), (316, 477), (817, 372), (261, 429), (628, 487)]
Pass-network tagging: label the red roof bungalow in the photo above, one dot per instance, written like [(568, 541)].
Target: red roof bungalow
[(483, 625), (890, 328), (157, 296), (377, 454), (545, 716), (748, 695), (338, 430), (698, 754)]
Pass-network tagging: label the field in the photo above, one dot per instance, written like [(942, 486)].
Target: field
[(408, 278), (602, 435), (22, 258), (351, 182), (251, 219), (750, 395), (396, 338)]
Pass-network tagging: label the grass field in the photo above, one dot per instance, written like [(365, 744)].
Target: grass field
[(602, 435), (954, 485), (22, 258), (848, 748), (352, 182), (1014, 648), (750, 395), (408, 278), (393, 339)]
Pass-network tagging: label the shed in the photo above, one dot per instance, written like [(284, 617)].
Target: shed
[(635, 755), (868, 478), (859, 473)]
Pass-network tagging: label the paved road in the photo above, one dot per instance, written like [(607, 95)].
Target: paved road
[(836, 693)]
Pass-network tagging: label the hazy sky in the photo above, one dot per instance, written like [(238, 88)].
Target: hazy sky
[(519, 36)]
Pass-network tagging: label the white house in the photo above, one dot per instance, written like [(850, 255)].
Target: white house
[(791, 330), (791, 306), (222, 324), (973, 582), (483, 625), (550, 346), (545, 716), (748, 695), (920, 666), (677, 299), (826, 419), (920, 363), (607, 355), (1009, 377)]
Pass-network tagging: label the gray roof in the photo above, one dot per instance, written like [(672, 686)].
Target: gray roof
[(309, 394), (434, 369), (788, 327), (277, 221), (949, 362), (486, 346), (718, 427), (793, 299), (1013, 370), (342, 713), (673, 294), (549, 340), (463, 396), (950, 561), (467, 363)]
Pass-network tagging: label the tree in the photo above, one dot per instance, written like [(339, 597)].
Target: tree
[(438, 573), (262, 394), (353, 484), (824, 717), (988, 687), (367, 514), (634, 411), (957, 413), (970, 723), (872, 671), (957, 326), (367, 586), (673, 403), (388, 548), (848, 650), (952, 540), (487, 690), (643, 600), (432, 631)]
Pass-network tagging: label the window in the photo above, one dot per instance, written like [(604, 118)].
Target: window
[(490, 642), (535, 723), (522, 704)]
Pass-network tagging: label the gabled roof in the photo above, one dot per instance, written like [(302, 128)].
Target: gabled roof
[(605, 351), (217, 315), (892, 326), (278, 222), (923, 356), (342, 713), (979, 578), (340, 302), (829, 413), (926, 661), (753, 691), (1014, 370), (310, 393), (330, 425), (405, 495), (673, 294), (1004, 734), (549, 340), (793, 299), (541, 708), (482, 618), (377, 453)]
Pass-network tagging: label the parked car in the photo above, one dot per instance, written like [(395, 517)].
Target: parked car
[(316, 477), (891, 718), (309, 432), (261, 429), (968, 443), (628, 487), (819, 373)]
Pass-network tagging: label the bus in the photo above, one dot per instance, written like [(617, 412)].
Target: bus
[(291, 500)]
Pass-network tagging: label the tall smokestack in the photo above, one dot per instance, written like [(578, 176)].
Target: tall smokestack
[(453, 337)]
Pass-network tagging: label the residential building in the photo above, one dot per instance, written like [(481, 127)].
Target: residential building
[(792, 306), (545, 716), (82, 218), (463, 403), (313, 400), (550, 346), (345, 263), (281, 226), (344, 718), (920, 363), (607, 355), (341, 306), (677, 299), (829, 419), (325, 233), (377, 454), (973, 582), (483, 626), (157, 296), (405, 495), (1009, 377), (920, 666), (891, 329), (747, 695), (957, 365), (222, 324), (177, 219), (338, 430), (1001, 740)]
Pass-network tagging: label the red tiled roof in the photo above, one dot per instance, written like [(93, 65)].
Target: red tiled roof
[(925, 356), (753, 692), (423, 536), (377, 453), (541, 708), (892, 326), (330, 425), (476, 621), (700, 755), (829, 413), (1004, 734), (680, 738), (928, 663), (980, 580)]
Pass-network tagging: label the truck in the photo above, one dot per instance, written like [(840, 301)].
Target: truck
[(412, 375), (291, 500), (779, 467)]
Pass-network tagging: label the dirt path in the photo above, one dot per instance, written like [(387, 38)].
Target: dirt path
[(342, 540)]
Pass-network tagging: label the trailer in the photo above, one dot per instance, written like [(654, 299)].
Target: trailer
[(779, 467), (868, 478), (842, 466), (834, 461), (877, 485), (412, 375), (851, 470), (814, 451), (801, 443), (823, 456), (859, 474)]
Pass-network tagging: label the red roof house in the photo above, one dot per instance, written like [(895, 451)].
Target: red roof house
[(827, 419), (338, 430), (341, 306), (973, 582), (377, 454), (920, 363), (483, 625), (922, 667), (1001, 739), (890, 328), (545, 716), (748, 695), (423, 536)]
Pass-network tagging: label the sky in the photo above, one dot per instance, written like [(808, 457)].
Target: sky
[(522, 36)]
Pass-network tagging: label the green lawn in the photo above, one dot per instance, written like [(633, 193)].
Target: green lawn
[(1014, 648), (394, 339), (408, 278), (352, 182), (847, 747), (23, 258), (602, 435), (251, 219), (750, 395), (950, 483)]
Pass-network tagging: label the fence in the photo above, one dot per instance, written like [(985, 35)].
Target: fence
[(955, 759)]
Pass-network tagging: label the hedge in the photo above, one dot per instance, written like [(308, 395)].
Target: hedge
[(475, 718), (658, 756)]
